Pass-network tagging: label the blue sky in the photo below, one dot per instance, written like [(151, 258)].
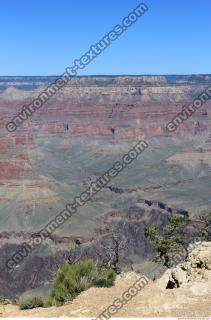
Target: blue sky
[(43, 37)]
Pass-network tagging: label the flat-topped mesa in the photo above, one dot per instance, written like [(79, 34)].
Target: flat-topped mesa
[(28, 82), (134, 106)]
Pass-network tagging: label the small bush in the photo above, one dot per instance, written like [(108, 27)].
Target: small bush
[(4, 301), (107, 279), (71, 280), (30, 302)]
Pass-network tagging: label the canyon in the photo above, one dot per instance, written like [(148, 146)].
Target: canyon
[(71, 141)]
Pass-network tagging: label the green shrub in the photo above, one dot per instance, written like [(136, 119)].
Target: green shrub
[(4, 301), (107, 279), (72, 279), (31, 301)]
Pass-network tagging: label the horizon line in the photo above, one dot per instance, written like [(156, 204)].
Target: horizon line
[(112, 75)]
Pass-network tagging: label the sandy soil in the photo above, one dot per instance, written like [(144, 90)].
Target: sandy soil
[(150, 301)]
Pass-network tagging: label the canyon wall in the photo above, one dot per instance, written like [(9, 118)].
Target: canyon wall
[(77, 136)]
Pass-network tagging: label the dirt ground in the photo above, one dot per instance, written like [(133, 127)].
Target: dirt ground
[(151, 301)]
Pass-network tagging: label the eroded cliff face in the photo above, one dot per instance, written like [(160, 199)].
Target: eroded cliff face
[(133, 106), (76, 137)]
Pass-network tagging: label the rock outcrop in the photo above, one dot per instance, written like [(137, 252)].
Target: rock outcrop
[(75, 138), (195, 269)]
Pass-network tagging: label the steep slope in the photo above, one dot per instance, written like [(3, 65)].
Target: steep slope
[(191, 299), (77, 136)]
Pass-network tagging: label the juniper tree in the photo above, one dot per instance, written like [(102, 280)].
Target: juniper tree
[(171, 240)]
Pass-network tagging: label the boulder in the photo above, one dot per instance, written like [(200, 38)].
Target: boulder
[(163, 281), (195, 268), (178, 277), (200, 257), (173, 278)]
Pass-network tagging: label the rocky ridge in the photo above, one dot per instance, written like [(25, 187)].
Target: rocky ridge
[(79, 134), (195, 270), (189, 297)]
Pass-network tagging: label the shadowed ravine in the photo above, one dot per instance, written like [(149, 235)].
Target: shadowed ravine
[(72, 140)]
